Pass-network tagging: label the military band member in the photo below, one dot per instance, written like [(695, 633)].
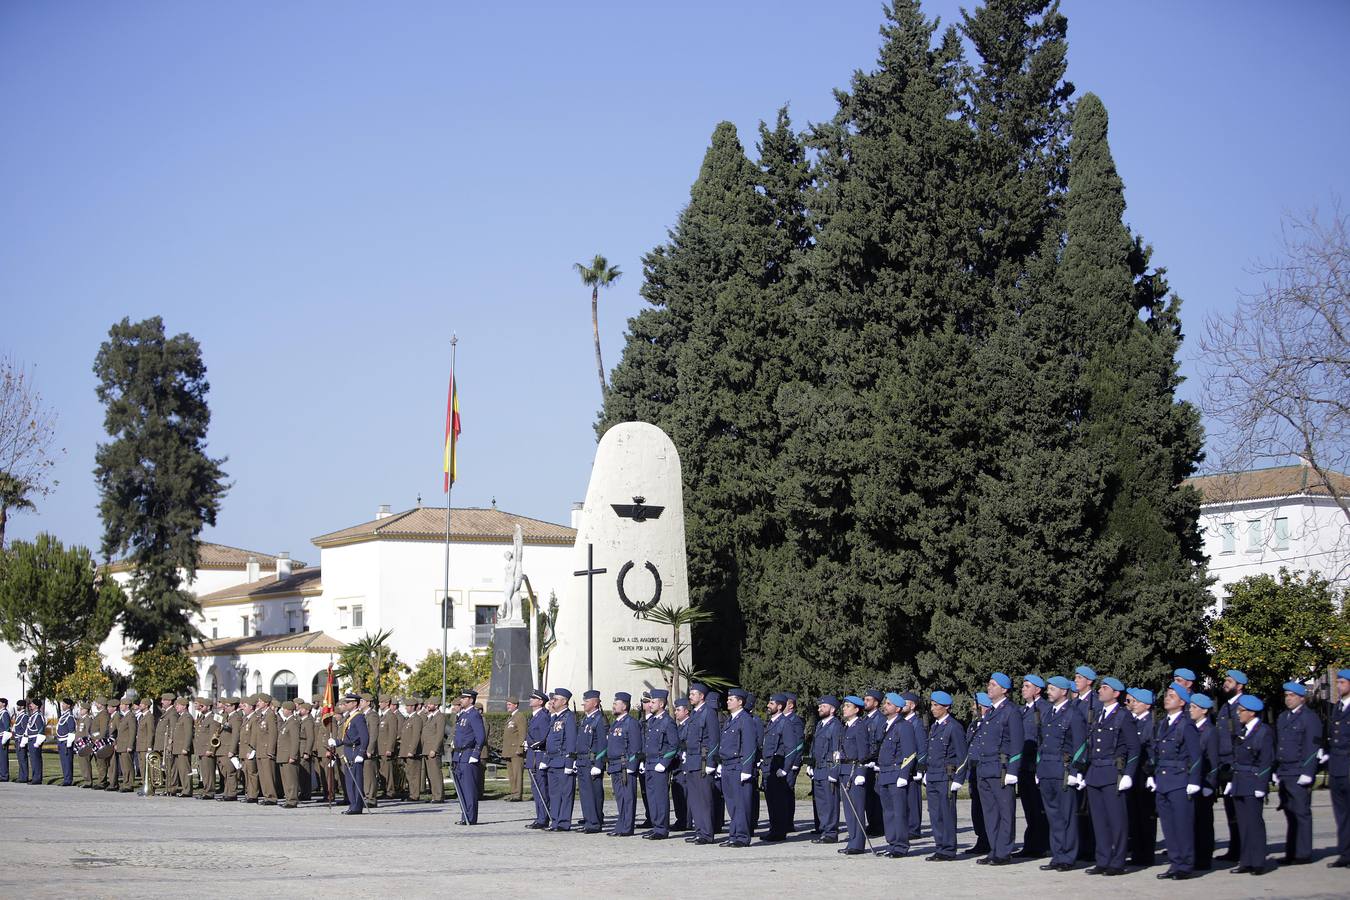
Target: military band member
[(288, 754), (897, 760), (205, 728), (1337, 758), (21, 739), (592, 745), (98, 730), (265, 743), (248, 752), (1253, 765), (513, 750), (308, 727), (124, 730), (163, 730), (85, 761), (1198, 710), (1298, 738), (431, 746), (37, 736), (1036, 828), (944, 775), (225, 756), (6, 735), (1061, 760), (65, 739), (145, 736), (997, 750), (1113, 748), (679, 795), (1227, 725), (560, 751), (827, 749), (1141, 810), (1176, 780), (352, 740), (387, 726)]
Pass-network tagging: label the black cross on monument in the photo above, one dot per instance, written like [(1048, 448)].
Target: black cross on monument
[(590, 572)]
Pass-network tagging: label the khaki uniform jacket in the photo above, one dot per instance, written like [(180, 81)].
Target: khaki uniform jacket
[(288, 739), (180, 739), (164, 728), (386, 733), (246, 733), (433, 735), (306, 734), (372, 723), (265, 733), (145, 731), (205, 728), (410, 735), (125, 731), (98, 727), (229, 735), (513, 735), (82, 726)]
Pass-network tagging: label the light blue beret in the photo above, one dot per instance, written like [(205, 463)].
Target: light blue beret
[(1034, 679), (1113, 683), (1001, 680), (1201, 701), (941, 698)]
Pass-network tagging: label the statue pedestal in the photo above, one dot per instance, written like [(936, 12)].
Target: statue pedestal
[(510, 667)]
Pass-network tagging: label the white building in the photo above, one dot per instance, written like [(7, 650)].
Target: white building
[(273, 624), (1261, 520)]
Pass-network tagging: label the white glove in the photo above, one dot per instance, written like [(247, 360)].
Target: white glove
[(252, 754), (954, 787), (1260, 793), (23, 741), (745, 776), (859, 779), (901, 781), (642, 767), (719, 768), (69, 739), (595, 770), (1151, 784), (810, 772), (331, 743), (569, 771), (832, 780), (781, 773), (1038, 778), (39, 740), (234, 761), (5, 736), (708, 770), (924, 778), (543, 766), (358, 758), (1192, 790), (1207, 792), (1228, 789), (1305, 780), (1010, 779), (1275, 777), (659, 767), (1082, 783), (1322, 756), (874, 767), (1125, 783)]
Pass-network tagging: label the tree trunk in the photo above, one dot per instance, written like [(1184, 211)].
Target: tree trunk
[(595, 329), (4, 518)]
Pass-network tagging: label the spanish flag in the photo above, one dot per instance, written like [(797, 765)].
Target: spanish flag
[(451, 433)]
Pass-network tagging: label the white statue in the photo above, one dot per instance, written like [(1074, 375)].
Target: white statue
[(513, 576)]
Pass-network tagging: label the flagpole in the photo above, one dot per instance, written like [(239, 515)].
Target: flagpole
[(450, 486)]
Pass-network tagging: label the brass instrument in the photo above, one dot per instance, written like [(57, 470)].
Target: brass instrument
[(155, 776), (215, 742)]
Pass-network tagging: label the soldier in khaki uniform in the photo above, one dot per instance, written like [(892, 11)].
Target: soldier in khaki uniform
[(85, 762), (513, 749), (384, 740), (432, 748), (248, 752), (304, 714), (145, 736), (227, 753), (288, 754), (409, 743), (204, 730), (180, 747), (163, 731), (265, 742), (98, 728), (124, 730)]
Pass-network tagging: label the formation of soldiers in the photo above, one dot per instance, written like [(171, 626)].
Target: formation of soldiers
[(252, 749), (1092, 764)]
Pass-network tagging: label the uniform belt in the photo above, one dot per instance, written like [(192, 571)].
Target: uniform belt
[(1249, 770)]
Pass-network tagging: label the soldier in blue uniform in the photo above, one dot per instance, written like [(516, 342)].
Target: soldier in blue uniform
[(1184, 677), (1113, 752), (37, 735), (897, 768), (1297, 742), (1227, 725), (592, 746), (6, 733), (1036, 833), (679, 796), (21, 739), (536, 733), (700, 763), (758, 724), (560, 753), (980, 709), (1176, 780), (857, 753), (736, 764), (645, 713), (660, 753), (997, 750), (913, 791), (65, 739), (1087, 704), (1338, 768), (1198, 709), (1061, 758), (1141, 810), (827, 749), (780, 758), (876, 726), (943, 775), (1253, 764), (623, 749), (353, 737), (719, 801), (467, 746)]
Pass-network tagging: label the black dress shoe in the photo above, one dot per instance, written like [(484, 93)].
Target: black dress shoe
[(1164, 876), (737, 844), (1094, 870), (351, 812), (851, 851), (939, 857), (825, 840), (1241, 870), (1050, 867), (650, 837), (1066, 867), (773, 838), (1182, 876), (1001, 861), (1114, 872), (1262, 871), (703, 842), (985, 861), (1339, 864), (691, 839)]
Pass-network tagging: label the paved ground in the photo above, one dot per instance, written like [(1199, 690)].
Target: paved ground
[(72, 842)]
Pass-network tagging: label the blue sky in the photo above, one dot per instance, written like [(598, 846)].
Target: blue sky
[(321, 193)]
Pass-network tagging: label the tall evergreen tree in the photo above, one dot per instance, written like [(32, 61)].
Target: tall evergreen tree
[(158, 487)]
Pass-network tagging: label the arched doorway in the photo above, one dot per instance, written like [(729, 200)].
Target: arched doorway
[(320, 684), (284, 686)]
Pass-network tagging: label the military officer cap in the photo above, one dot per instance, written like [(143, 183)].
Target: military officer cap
[(941, 698), (1061, 682), (591, 695), (432, 701), (1247, 701), (513, 700), (1113, 683), (983, 699), (288, 705), (701, 688), (1034, 679), (563, 693), (264, 698), (1086, 672), (683, 701), (874, 694), (1143, 695), (908, 697), (1237, 675), (626, 697), (1001, 680), (895, 698), (84, 704), (749, 700), (740, 693), (317, 698), (168, 695), (828, 700), (792, 698), (101, 701), (418, 698), (778, 698), (646, 695), (660, 694), (1179, 689), (1183, 673), (232, 701), (1201, 701), (473, 695), (367, 696), (1293, 687), (539, 695), (348, 697), (1343, 673)]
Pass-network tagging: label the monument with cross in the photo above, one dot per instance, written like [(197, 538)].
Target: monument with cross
[(630, 557)]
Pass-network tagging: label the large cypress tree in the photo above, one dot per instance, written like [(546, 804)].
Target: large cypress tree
[(158, 487)]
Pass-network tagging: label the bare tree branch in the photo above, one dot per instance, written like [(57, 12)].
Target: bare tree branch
[(27, 436)]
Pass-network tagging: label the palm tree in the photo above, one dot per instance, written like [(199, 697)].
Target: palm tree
[(595, 276), (14, 494), (671, 663)]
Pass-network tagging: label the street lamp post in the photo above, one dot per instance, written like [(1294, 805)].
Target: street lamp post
[(23, 679)]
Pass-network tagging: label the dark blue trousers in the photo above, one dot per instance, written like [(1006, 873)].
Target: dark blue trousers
[(1061, 816), (539, 792), (698, 792), (4, 763), (1036, 828), (1110, 830), (1204, 831), (466, 785), (1251, 824), (942, 817), (895, 810), (67, 763), (658, 802), (914, 813), (1297, 802), (625, 798), (353, 779), (562, 795), (737, 794), (679, 800), (826, 795), (34, 763), (1176, 812), (874, 811), (592, 790), (21, 754), (855, 800), (997, 802), (1340, 808), (778, 797)]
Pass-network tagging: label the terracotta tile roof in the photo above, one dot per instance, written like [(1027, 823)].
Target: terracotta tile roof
[(302, 642), (1264, 484), (306, 581), (427, 523), (219, 556)]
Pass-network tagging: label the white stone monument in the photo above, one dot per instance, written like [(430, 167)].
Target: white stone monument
[(629, 557)]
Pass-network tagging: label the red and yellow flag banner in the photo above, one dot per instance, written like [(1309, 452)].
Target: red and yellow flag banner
[(451, 433)]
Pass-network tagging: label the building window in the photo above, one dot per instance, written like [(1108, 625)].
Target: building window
[(319, 685), (484, 623), (215, 686), (1228, 536), (1256, 536), (358, 617), (342, 618), (304, 620), (244, 621), (215, 629), (284, 686), (1281, 534), (293, 619)]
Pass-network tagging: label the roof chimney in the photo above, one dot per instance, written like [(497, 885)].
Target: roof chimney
[(383, 512), (251, 569), (283, 565), (576, 514)]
